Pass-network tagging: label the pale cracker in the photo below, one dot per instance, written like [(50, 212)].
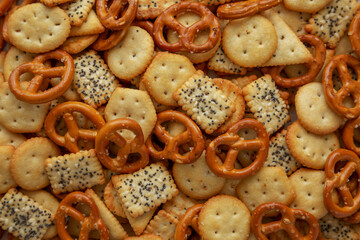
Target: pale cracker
[(2, 60), (146, 189), (112, 201), (23, 217), (6, 179), (82, 170), (331, 22), (91, 26), (214, 219), (246, 157), (70, 94), (27, 165), (230, 187), (151, 9), (196, 180), (14, 58), (18, 116), (132, 55), (92, 79), (207, 105), (158, 106), (36, 28), (10, 138), (221, 63), (344, 46), (166, 73), (163, 225), (308, 6), (335, 229), (78, 10), (263, 98), (241, 82), (99, 189), (249, 42), (179, 205), (269, 184), (75, 45)]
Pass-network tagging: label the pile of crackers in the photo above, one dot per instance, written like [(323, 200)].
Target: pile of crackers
[(216, 89)]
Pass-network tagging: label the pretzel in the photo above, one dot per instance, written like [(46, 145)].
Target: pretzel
[(245, 8), (338, 181), (136, 145), (88, 224), (314, 67), (70, 139), (187, 220), (348, 135), (237, 144), (172, 144), (147, 25), (187, 34), (5, 6), (108, 13), (109, 39), (354, 33), (41, 72), (286, 223), (335, 98), (2, 41)]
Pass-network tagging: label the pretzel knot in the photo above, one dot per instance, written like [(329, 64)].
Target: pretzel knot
[(286, 223), (5, 6), (351, 87), (189, 219), (33, 93), (71, 138), (245, 8), (88, 224), (314, 66), (108, 13), (191, 135), (109, 132), (187, 34), (109, 39), (354, 33), (236, 144), (338, 181), (348, 135)]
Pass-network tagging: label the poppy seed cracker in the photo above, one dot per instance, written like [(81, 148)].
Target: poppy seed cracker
[(78, 10), (221, 63)]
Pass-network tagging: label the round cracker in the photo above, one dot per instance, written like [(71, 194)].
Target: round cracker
[(6, 180), (14, 58), (308, 6)]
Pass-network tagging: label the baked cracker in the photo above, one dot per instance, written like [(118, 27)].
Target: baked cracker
[(78, 10), (90, 26), (221, 63), (163, 225)]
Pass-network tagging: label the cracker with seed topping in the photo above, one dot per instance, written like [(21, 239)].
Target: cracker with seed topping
[(151, 9), (207, 105), (74, 171), (93, 80), (333, 228), (78, 10), (163, 225), (264, 101), (23, 217), (221, 63), (90, 26), (146, 189)]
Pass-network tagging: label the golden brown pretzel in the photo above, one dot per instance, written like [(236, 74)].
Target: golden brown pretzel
[(109, 39), (70, 139), (314, 66), (286, 223), (5, 6), (353, 33), (348, 135), (186, 221), (237, 144), (172, 144), (334, 98), (41, 72), (187, 34), (88, 224), (147, 25)]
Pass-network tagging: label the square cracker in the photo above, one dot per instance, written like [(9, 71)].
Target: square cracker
[(23, 217), (221, 63), (78, 10), (179, 205), (163, 225), (90, 26)]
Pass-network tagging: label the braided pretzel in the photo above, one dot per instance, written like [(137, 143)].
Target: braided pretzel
[(286, 223), (314, 67), (172, 144), (335, 98), (108, 13), (348, 135), (353, 33), (5, 6), (70, 139), (236, 144), (187, 220), (109, 133), (41, 72), (245, 8), (338, 181), (88, 224), (187, 34), (109, 39)]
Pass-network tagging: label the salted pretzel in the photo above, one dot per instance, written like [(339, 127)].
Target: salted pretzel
[(70, 139), (335, 98), (314, 66), (109, 39), (88, 224), (186, 221), (353, 33), (147, 25), (187, 34), (173, 143), (338, 182), (245, 8), (109, 13), (348, 135), (109, 132), (237, 144), (286, 223), (5, 6), (41, 72)]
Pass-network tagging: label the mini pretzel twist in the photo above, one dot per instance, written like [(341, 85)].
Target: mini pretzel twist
[(5, 6), (187, 220), (108, 13), (237, 144), (109, 39), (41, 73), (338, 181), (245, 8), (109, 132), (351, 87), (353, 33), (171, 150), (147, 25), (88, 224), (71, 138), (286, 223), (187, 34), (348, 135), (314, 66)]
